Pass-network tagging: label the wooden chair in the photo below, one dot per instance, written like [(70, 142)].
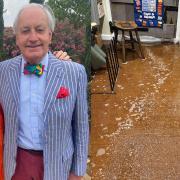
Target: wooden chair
[(113, 29), (130, 27), (112, 63)]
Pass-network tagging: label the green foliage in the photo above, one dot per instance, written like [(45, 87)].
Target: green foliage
[(69, 39), (37, 1), (78, 13), (9, 44), (1, 24)]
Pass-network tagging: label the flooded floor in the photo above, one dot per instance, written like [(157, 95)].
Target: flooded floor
[(135, 133)]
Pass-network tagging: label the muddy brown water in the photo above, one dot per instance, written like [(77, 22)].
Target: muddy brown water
[(135, 133)]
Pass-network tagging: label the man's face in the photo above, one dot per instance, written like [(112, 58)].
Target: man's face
[(33, 35)]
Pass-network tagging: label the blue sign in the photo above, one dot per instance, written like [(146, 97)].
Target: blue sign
[(148, 13)]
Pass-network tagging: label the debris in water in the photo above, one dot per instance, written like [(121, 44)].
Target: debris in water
[(100, 152)]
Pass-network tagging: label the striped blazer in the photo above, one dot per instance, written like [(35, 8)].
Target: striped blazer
[(66, 131), (1, 143)]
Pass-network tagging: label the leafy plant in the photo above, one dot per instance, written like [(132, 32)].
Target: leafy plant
[(78, 13), (9, 45), (69, 39)]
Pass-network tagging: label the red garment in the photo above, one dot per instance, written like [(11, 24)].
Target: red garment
[(29, 165), (1, 143)]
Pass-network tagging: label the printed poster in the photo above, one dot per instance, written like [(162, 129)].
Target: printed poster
[(148, 13)]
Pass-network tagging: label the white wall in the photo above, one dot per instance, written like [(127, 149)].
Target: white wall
[(108, 17), (177, 39)]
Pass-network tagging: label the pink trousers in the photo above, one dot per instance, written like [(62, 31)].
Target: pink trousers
[(29, 165)]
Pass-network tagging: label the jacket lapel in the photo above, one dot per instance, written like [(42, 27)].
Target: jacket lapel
[(55, 76), (14, 79)]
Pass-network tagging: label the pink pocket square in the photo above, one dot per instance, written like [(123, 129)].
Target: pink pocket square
[(63, 92)]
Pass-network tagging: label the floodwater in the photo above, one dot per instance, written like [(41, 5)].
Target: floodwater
[(135, 133)]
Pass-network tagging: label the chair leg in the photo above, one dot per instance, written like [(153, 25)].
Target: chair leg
[(131, 39), (139, 43), (123, 47), (116, 35)]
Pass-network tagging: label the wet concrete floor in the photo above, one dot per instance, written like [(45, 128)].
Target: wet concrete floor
[(135, 133)]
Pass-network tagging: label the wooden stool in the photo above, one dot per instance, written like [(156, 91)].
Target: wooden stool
[(129, 26)]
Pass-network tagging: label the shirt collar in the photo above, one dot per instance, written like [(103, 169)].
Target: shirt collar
[(44, 62)]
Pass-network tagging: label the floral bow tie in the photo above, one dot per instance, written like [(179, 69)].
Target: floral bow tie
[(36, 69)]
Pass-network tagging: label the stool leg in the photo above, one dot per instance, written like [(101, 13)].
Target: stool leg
[(132, 40), (116, 35), (123, 47), (139, 42)]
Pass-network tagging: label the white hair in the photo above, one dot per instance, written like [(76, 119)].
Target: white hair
[(47, 10)]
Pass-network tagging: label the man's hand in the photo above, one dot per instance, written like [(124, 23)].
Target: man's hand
[(72, 176), (62, 55)]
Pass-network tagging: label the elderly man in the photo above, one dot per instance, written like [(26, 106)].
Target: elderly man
[(44, 104)]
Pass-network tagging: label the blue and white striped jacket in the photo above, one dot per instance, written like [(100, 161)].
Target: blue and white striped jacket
[(66, 130)]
